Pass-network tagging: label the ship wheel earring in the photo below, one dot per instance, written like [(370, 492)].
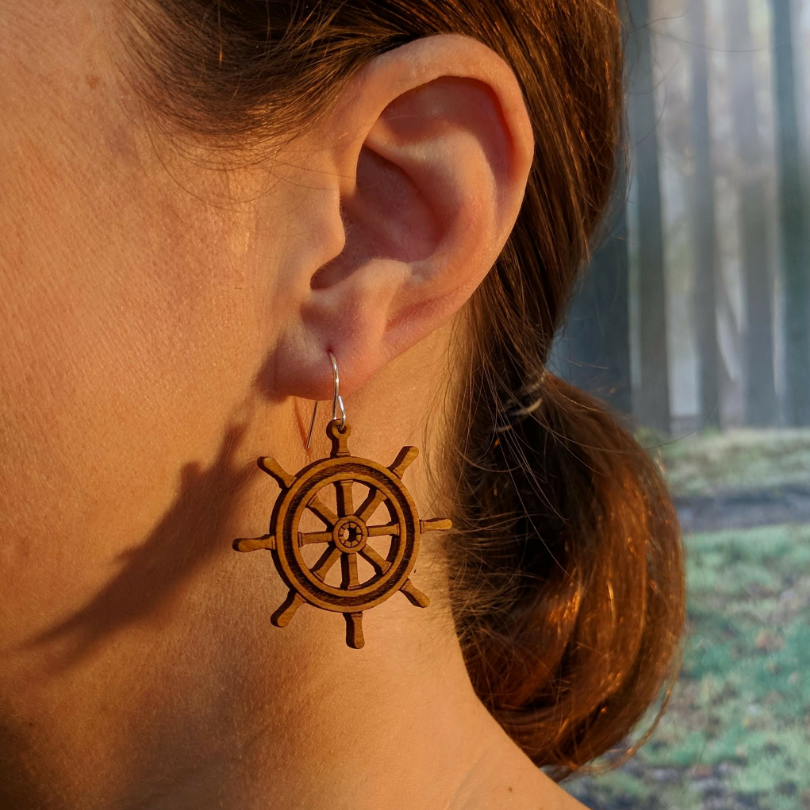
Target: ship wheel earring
[(347, 532)]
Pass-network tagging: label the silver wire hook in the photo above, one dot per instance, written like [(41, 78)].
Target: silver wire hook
[(337, 398)]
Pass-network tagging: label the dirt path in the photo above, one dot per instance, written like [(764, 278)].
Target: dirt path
[(743, 509)]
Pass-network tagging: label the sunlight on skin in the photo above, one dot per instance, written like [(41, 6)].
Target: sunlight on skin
[(149, 308)]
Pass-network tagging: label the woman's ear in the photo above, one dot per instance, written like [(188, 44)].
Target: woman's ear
[(424, 163)]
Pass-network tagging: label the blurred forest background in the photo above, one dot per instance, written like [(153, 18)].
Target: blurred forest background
[(693, 322)]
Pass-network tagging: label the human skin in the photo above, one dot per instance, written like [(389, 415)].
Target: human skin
[(161, 330)]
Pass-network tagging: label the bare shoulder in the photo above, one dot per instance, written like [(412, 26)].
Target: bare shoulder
[(518, 784), (505, 778), (548, 795)]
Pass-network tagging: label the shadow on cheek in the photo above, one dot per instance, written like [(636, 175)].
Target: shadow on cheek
[(188, 535)]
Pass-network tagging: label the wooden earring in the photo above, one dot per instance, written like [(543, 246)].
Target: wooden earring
[(347, 533)]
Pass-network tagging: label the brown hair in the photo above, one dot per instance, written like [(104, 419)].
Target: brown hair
[(566, 564)]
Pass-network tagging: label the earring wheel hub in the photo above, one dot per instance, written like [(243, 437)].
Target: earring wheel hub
[(350, 534)]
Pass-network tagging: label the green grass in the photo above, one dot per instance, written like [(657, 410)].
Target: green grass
[(736, 733), (704, 463)]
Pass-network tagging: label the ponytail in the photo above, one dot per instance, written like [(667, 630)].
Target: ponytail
[(566, 572)]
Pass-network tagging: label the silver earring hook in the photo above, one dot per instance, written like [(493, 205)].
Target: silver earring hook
[(336, 399)]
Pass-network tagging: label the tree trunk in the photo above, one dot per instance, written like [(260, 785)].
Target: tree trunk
[(794, 256), (760, 408), (598, 327), (653, 407), (702, 213)]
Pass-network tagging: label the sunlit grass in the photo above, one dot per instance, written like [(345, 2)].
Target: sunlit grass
[(704, 463), (737, 730)]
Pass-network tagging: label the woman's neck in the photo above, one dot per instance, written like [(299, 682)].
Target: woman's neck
[(167, 687), (207, 705)]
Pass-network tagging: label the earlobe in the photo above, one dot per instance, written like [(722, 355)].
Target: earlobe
[(429, 185)]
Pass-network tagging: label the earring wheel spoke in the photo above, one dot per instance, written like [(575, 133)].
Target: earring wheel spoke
[(344, 497), (350, 576), (322, 511), (373, 500), (313, 537), (387, 528), (375, 559), (327, 560)]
